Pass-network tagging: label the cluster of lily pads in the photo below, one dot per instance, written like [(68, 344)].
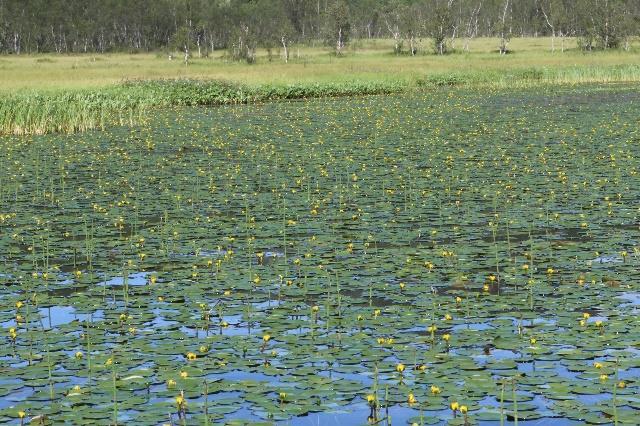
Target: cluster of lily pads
[(467, 257)]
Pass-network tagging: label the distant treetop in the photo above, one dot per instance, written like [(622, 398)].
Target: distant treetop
[(241, 26)]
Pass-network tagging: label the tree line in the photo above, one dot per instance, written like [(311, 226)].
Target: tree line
[(198, 27)]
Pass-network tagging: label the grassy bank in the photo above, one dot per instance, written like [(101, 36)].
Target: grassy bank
[(72, 111), (41, 94), (370, 60)]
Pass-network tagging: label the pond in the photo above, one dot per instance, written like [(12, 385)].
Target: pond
[(327, 261)]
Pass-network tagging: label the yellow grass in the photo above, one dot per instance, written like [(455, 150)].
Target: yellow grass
[(363, 61)]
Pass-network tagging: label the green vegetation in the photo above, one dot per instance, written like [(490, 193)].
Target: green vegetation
[(82, 110), (74, 93), (460, 256), (198, 28)]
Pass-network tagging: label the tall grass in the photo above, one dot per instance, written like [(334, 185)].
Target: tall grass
[(38, 113), (534, 76), (72, 111), (82, 109)]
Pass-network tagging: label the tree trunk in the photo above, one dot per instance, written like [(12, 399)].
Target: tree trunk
[(286, 49), (16, 43), (503, 39)]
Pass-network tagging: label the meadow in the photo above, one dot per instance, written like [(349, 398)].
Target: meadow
[(365, 61), (69, 93), (449, 256)]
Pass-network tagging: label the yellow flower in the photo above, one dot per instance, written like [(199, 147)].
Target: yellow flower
[(455, 406), (525, 267), (400, 368), (599, 323), (533, 340), (411, 399), (191, 356), (597, 365), (21, 414), (315, 308), (492, 277), (604, 377), (180, 400), (257, 279), (371, 399), (376, 313), (266, 338), (402, 286), (283, 396), (586, 315), (448, 317), (19, 304), (153, 279), (108, 362), (458, 299), (464, 409), (171, 383), (622, 384), (550, 271), (435, 390), (79, 355), (485, 288), (446, 337), (583, 323), (432, 328), (184, 374)]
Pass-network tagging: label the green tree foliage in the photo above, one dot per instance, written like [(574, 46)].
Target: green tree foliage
[(337, 25), (241, 26)]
